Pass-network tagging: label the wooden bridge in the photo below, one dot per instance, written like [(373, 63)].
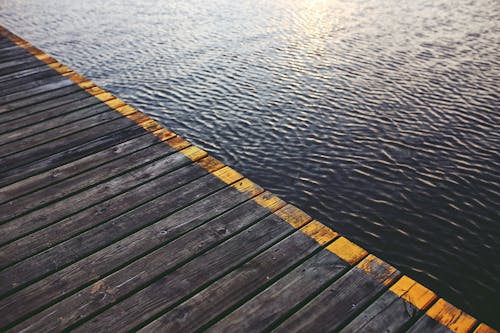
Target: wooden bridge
[(110, 222)]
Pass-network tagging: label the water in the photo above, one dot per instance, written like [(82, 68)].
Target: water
[(379, 118)]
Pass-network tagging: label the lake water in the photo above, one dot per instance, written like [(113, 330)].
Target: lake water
[(378, 118)]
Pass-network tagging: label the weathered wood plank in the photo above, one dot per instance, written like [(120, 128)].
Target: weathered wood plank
[(83, 180), (341, 300), (233, 215), (13, 51), (443, 317), (67, 156), (52, 83), (391, 312), (59, 145), (17, 86), (35, 71), (201, 271), (12, 67), (64, 209), (36, 99), (19, 64), (13, 55), (193, 314), (49, 177), (9, 48), (69, 227), (272, 304), (65, 253), (8, 119), (48, 119), (95, 115)]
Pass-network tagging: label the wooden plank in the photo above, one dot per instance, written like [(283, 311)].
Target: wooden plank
[(67, 156), (52, 83), (11, 89), (95, 115), (59, 145), (8, 119), (36, 71), (36, 99), (343, 299), (443, 317), (83, 180), (9, 86), (9, 54), (201, 271), (9, 48), (64, 209), (206, 306), (272, 304), (6, 53), (391, 312), (186, 233), (33, 183), (63, 254), (49, 119), (7, 44), (70, 226), (19, 65), (13, 56)]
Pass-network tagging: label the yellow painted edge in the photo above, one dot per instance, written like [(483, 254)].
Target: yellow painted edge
[(347, 250), (449, 316), (413, 292), (270, 201), (294, 216), (342, 247), (319, 232), (483, 328), (248, 187), (372, 265)]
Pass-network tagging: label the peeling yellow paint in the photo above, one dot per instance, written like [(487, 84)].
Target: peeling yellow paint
[(248, 187), (413, 292), (194, 153), (447, 315), (179, 143), (294, 216), (319, 232), (164, 134), (226, 174), (210, 164), (377, 269), (269, 201), (347, 250), (483, 328)]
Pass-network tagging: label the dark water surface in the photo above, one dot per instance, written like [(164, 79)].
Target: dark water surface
[(379, 118)]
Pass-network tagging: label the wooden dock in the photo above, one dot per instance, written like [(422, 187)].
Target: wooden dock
[(110, 222)]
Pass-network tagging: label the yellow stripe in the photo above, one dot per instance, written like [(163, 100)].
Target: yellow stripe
[(248, 187), (319, 232), (227, 175), (447, 315), (483, 328), (294, 216), (413, 292), (372, 266), (269, 201), (345, 249)]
